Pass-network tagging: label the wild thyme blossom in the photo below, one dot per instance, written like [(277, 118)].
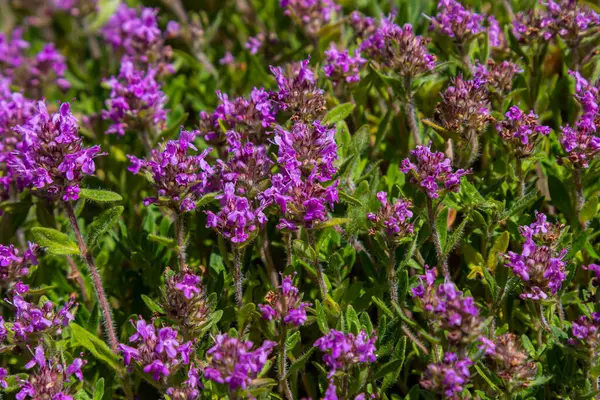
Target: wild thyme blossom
[(254, 43), (159, 351), (520, 131), (52, 160), (344, 350), (189, 388), (540, 265), (448, 308), (179, 178), (465, 108), (136, 102), (298, 92), (398, 48), (233, 362), (340, 66), (498, 76), (33, 321), (456, 21), (47, 67), (185, 300), (496, 38), (508, 360), (12, 51), (248, 166), (588, 96), (51, 379), (14, 267), (136, 34), (581, 145), (285, 305), (393, 220), (448, 376), (311, 14), (586, 334), (432, 170)]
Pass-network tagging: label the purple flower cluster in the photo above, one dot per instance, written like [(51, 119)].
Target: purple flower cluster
[(12, 49), (520, 131), (431, 170), (344, 350), (52, 160), (448, 376), (32, 321), (185, 300), (50, 380), (14, 267), (159, 351), (586, 333), (456, 21), (498, 76), (311, 14), (234, 363), (136, 34), (136, 101), (540, 265), (298, 92), (581, 145), (508, 360), (248, 166), (395, 47), (254, 43), (392, 220), (340, 66), (179, 178), (285, 305), (465, 107), (448, 308), (496, 37), (188, 389)]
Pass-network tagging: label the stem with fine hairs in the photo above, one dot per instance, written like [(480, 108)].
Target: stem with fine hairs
[(237, 275), (97, 281), (313, 243), (181, 243), (411, 113)]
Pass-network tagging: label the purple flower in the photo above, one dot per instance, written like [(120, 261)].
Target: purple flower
[(227, 59), (3, 375), (520, 131), (432, 172), (457, 22), (311, 14), (234, 363), (448, 376), (14, 267), (189, 388), (136, 102), (254, 43), (495, 35), (392, 220), (179, 178), (498, 76), (340, 66), (285, 305), (52, 160), (344, 350), (581, 145)]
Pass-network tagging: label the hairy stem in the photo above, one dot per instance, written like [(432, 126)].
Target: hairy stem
[(442, 261), (391, 274), (181, 243), (284, 385), (237, 275), (579, 197), (312, 242), (99, 289), (520, 176), (411, 113), (288, 248)]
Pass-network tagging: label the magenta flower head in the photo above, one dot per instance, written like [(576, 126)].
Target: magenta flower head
[(398, 48), (340, 66), (498, 76), (392, 220), (136, 102), (585, 333), (233, 362), (521, 132), (12, 51), (456, 21), (179, 178), (189, 388), (447, 377), (51, 379), (160, 352), (580, 144), (345, 350), (14, 267), (312, 15), (285, 305), (48, 67), (185, 300), (298, 92), (432, 172), (52, 161), (540, 264)]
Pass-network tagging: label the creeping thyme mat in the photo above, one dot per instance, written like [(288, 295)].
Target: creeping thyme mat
[(299, 199)]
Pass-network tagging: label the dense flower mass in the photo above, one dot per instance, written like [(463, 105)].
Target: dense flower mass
[(392, 219), (340, 66), (498, 76), (510, 362), (432, 172), (136, 102), (52, 160), (344, 350), (520, 131), (313, 15), (160, 352), (585, 333), (179, 178), (234, 363), (14, 267), (449, 376), (540, 264), (185, 300), (285, 304), (456, 21)]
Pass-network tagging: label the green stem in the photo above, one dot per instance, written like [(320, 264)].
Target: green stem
[(237, 275), (579, 197), (181, 243), (283, 382), (391, 274), (410, 111), (520, 176)]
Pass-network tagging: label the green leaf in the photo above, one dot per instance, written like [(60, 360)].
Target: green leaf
[(165, 241), (300, 362), (206, 199), (379, 303), (152, 305), (292, 340), (99, 393), (94, 345), (106, 8), (245, 315), (387, 368), (540, 380), (332, 222), (486, 375), (102, 224), (360, 140), (352, 320), (527, 345), (303, 249), (55, 242), (82, 395), (441, 224), (455, 236), (349, 199), (321, 318), (589, 209), (520, 204), (338, 114), (500, 246), (100, 196)]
